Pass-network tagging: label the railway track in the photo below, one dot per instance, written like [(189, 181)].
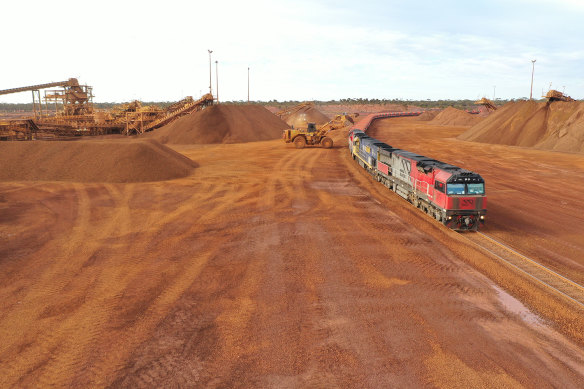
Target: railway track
[(561, 285)]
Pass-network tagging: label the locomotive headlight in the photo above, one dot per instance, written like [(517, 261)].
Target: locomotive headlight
[(449, 217), (482, 217)]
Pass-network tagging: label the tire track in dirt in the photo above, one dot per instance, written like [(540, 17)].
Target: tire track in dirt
[(154, 309), (75, 314), (47, 285), (271, 264), (359, 273), (79, 321), (258, 266), (413, 243), (229, 323), (167, 354), (176, 240), (285, 325), (159, 309)]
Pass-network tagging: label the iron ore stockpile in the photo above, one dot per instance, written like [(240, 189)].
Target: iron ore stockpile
[(455, 117), (222, 123), (91, 161), (555, 126), (307, 114), (426, 116), (227, 258)]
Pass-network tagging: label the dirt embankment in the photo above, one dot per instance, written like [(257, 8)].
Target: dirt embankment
[(223, 123), (331, 110), (455, 117), (364, 109), (555, 126), (91, 161)]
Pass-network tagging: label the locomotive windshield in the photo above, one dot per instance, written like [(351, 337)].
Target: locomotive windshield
[(455, 189), (476, 188), (460, 189)]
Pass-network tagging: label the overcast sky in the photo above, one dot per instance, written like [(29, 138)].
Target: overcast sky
[(296, 50)]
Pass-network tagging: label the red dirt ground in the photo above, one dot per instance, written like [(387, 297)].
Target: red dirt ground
[(270, 266)]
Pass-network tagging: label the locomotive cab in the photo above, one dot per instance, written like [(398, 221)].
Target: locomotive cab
[(466, 200)]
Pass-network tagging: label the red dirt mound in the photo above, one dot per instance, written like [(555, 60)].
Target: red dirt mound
[(300, 118), (550, 126), (428, 115), (455, 117), (91, 161), (223, 123)]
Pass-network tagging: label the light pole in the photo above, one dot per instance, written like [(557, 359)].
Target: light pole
[(217, 80), (210, 90), (248, 84), (532, 71), (494, 87)]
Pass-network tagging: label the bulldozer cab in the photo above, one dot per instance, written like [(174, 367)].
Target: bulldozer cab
[(311, 127)]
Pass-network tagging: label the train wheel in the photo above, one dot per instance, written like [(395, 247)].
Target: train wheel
[(299, 142), (327, 142)]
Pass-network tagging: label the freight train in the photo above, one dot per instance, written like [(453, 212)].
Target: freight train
[(452, 195)]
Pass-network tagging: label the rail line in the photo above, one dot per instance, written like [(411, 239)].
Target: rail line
[(535, 270)]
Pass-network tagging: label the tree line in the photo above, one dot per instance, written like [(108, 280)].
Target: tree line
[(425, 104)]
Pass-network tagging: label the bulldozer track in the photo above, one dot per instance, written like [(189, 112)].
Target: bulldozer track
[(561, 285)]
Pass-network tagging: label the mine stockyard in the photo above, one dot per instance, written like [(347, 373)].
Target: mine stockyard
[(239, 245)]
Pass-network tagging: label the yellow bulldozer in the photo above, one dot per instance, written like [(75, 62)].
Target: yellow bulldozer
[(314, 136)]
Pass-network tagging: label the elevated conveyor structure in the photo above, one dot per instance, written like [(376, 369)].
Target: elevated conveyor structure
[(77, 116), (76, 99), (488, 104), (292, 110), (39, 86), (182, 108), (19, 129)]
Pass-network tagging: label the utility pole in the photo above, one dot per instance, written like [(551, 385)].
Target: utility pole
[(248, 84), (532, 71), (210, 90), (217, 80), (494, 87)]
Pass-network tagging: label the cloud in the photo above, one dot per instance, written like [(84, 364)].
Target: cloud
[(296, 50)]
